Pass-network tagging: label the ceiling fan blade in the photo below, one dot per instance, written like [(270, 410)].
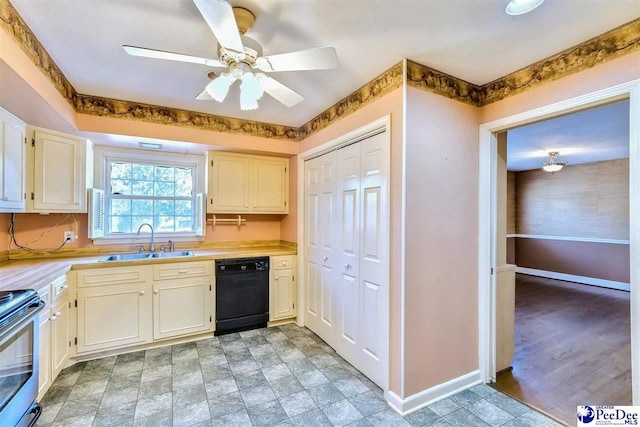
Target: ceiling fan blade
[(220, 18), (319, 58), (171, 56), (279, 91), (204, 96)]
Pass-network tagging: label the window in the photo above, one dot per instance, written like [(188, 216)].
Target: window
[(160, 195), (160, 189)]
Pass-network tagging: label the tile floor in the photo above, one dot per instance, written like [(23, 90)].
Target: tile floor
[(280, 376)]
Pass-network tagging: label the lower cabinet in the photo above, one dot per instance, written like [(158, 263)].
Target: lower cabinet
[(55, 332), (127, 306), (112, 316), (181, 307), (282, 289)]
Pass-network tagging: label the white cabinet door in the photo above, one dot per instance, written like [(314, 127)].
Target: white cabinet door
[(60, 336), (244, 183), (44, 366), (12, 164), (59, 181), (111, 316), (229, 176), (181, 307), (270, 185), (281, 295), (320, 194)]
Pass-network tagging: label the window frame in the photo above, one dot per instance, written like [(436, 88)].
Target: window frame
[(106, 155)]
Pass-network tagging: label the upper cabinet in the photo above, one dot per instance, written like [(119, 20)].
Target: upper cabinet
[(58, 180), (243, 183), (12, 163)]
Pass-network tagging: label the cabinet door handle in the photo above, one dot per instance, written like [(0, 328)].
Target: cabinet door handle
[(155, 291), (57, 314), (276, 277), (54, 317), (324, 258), (183, 271), (347, 266), (65, 286), (141, 292), (246, 206), (77, 203)]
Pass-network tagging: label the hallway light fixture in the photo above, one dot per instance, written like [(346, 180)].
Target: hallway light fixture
[(552, 164), (520, 7)]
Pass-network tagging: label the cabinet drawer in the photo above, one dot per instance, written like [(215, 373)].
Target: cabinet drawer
[(281, 262), (60, 288), (181, 269), (113, 276)]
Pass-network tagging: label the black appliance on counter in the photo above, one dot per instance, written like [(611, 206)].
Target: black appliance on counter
[(19, 357), (242, 294)]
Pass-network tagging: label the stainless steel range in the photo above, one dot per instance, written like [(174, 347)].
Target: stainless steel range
[(19, 357)]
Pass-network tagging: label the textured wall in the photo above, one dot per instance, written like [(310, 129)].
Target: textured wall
[(587, 200)]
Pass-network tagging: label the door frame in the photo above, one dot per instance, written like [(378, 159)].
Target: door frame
[(383, 124), (487, 241)]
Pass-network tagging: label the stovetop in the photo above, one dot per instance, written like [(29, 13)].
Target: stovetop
[(11, 301)]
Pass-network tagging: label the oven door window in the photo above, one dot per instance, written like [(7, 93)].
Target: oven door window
[(16, 363)]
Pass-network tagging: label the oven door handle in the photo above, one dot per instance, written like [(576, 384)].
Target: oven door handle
[(37, 410)]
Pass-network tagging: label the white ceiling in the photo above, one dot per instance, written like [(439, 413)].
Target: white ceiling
[(597, 134), (471, 39)]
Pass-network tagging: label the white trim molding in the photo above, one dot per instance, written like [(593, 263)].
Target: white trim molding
[(487, 214), (611, 284), (433, 394), (569, 239)]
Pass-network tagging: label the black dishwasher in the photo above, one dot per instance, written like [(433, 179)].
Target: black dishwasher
[(242, 294)]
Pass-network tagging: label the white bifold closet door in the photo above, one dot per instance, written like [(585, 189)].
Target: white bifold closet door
[(320, 188), (347, 303)]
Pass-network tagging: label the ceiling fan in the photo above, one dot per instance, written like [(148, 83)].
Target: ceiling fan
[(242, 58)]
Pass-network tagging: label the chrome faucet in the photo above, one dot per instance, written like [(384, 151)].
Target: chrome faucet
[(152, 246)]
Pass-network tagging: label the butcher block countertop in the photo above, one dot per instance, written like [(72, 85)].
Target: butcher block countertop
[(34, 272)]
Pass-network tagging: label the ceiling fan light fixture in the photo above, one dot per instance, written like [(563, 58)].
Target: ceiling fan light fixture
[(552, 164), (520, 7), (250, 91), (219, 87)]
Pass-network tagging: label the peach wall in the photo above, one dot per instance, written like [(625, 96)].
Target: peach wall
[(289, 224), (618, 71), (32, 226), (441, 240), (392, 104)]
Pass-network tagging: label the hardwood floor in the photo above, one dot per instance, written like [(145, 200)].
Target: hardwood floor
[(572, 347)]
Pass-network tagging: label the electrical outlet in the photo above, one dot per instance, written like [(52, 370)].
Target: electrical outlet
[(69, 236)]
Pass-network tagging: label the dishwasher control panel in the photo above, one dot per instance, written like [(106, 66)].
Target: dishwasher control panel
[(242, 264)]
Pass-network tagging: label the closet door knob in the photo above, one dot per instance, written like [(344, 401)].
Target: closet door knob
[(141, 292)]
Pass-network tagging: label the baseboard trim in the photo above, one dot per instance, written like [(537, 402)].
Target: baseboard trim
[(433, 394), (621, 286)]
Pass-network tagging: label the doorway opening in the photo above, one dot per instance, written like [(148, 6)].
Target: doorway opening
[(571, 341), (489, 240)]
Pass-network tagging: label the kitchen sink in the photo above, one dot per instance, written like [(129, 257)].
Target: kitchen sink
[(143, 255), (125, 257), (171, 254)]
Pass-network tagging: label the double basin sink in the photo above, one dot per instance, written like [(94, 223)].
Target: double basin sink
[(145, 255)]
